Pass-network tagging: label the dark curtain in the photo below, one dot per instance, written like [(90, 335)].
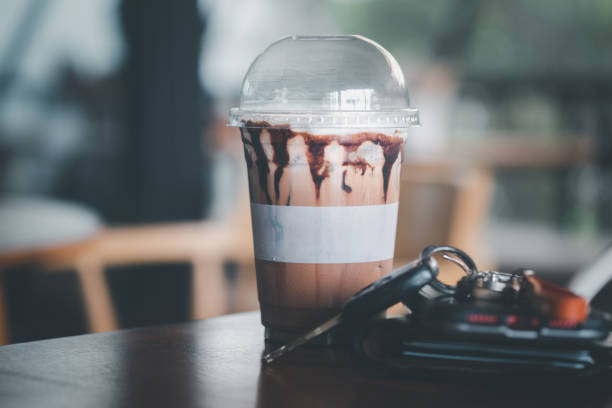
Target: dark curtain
[(166, 111)]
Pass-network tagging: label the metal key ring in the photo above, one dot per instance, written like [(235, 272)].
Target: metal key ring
[(464, 261)]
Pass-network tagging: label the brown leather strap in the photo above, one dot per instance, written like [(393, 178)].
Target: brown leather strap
[(558, 303)]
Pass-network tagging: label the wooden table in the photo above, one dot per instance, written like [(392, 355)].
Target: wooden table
[(215, 363)]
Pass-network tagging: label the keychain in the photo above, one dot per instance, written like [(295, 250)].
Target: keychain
[(504, 305), (484, 304)]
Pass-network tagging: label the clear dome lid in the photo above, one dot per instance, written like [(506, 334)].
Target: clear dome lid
[(325, 81)]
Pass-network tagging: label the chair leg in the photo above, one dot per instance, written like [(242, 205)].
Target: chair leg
[(209, 291), (98, 305), (4, 328)]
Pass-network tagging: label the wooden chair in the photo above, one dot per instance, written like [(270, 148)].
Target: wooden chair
[(32, 228), (207, 245), (443, 204)]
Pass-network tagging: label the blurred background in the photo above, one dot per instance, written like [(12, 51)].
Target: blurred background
[(124, 197)]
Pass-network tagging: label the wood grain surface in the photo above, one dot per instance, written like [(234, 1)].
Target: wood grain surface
[(215, 363)]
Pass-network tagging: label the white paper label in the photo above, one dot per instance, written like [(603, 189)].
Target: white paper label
[(324, 234)]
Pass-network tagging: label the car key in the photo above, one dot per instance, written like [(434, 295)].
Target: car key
[(371, 300)]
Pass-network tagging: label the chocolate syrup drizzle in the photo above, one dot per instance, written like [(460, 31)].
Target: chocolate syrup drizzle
[(249, 161), (359, 164), (279, 136), (345, 187), (319, 167), (261, 160), (390, 151)]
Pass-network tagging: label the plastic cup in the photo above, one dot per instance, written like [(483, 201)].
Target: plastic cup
[(323, 122)]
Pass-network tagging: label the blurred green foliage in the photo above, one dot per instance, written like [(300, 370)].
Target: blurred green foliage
[(506, 35)]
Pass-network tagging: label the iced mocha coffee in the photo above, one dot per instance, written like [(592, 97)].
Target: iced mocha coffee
[(323, 121), (294, 176)]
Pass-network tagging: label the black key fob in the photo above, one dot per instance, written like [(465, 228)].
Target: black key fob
[(393, 288)]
